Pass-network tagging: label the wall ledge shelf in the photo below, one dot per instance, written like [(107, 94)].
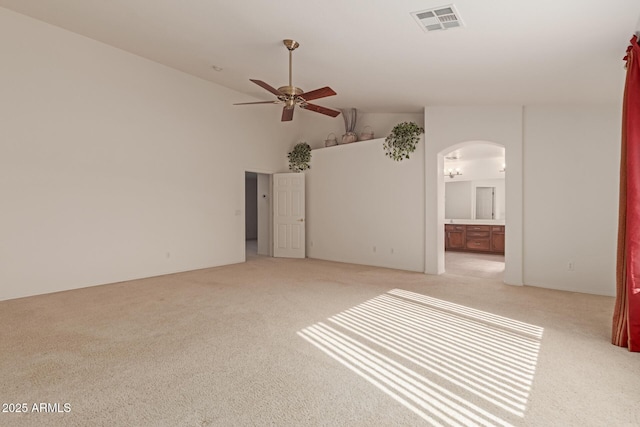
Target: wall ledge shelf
[(350, 144)]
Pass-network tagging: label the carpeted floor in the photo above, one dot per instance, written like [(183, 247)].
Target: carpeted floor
[(307, 342)]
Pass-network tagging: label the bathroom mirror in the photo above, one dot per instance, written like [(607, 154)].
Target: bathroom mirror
[(475, 199)]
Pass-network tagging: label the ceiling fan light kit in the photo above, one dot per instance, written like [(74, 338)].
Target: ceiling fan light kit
[(291, 96)]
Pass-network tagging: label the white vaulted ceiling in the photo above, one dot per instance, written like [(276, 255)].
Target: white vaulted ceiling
[(372, 52)]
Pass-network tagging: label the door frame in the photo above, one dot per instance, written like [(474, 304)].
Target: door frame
[(265, 214), (434, 212)]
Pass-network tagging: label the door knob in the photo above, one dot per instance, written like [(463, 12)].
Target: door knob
[(301, 220)]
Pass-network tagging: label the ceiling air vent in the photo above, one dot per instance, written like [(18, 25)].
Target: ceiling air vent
[(439, 18)]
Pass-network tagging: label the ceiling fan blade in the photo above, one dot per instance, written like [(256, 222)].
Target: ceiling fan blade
[(318, 93), (287, 114), (260, 102), (321, 110), (267, 87)]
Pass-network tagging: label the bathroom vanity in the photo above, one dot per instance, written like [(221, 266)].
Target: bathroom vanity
[(476, 237)]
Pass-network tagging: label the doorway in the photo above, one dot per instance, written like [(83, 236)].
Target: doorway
[(258, 217), (474, 210)]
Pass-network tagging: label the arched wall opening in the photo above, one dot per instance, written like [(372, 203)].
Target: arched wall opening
[(447, 128), (471, 168)]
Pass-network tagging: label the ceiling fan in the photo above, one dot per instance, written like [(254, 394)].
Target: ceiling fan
[(291, 96)]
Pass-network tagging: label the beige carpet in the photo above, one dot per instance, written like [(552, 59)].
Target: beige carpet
[(307, 342)]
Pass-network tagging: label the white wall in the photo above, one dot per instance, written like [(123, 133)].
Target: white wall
[(358, 199), (571, 162), (448, 128), (561, 203), (113, 167), (562, 168)]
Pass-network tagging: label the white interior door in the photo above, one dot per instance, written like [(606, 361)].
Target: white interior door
[(484, 202), (288, 215)]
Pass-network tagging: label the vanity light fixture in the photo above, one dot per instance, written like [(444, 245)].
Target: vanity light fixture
[(452, 173)]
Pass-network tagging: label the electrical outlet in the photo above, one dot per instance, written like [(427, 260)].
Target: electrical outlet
[(571, 266), (392, 250)]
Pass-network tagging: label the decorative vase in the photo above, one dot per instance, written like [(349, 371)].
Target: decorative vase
[(367, 133), (350, 116), (331, 140), (349, 137)]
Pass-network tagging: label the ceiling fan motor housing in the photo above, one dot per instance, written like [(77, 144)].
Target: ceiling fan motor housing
[(291, 90)]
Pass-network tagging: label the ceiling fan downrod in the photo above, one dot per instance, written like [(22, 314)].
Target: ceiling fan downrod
[(291, 46), (291, 91)]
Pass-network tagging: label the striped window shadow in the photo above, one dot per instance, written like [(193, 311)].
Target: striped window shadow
[(449, 364)]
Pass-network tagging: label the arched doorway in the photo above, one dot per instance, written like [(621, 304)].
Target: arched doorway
[(445, 128), (474, 209)]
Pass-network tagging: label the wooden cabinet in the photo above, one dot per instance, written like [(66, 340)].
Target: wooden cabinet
[(454, 236), (478, 237), (497, 238), (474, 238)]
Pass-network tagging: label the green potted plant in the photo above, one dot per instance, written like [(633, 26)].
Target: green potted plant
[(300, 157), (402, 140)]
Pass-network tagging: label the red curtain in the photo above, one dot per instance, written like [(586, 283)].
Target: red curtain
[(626, 317)]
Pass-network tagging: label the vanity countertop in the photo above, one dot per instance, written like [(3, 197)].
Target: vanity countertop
[(475, 221)]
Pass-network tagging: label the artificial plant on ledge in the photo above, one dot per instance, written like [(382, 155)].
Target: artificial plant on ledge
[(402, 140), (300, 157)]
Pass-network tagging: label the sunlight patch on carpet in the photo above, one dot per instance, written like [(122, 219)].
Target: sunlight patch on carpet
[(449, 364)]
